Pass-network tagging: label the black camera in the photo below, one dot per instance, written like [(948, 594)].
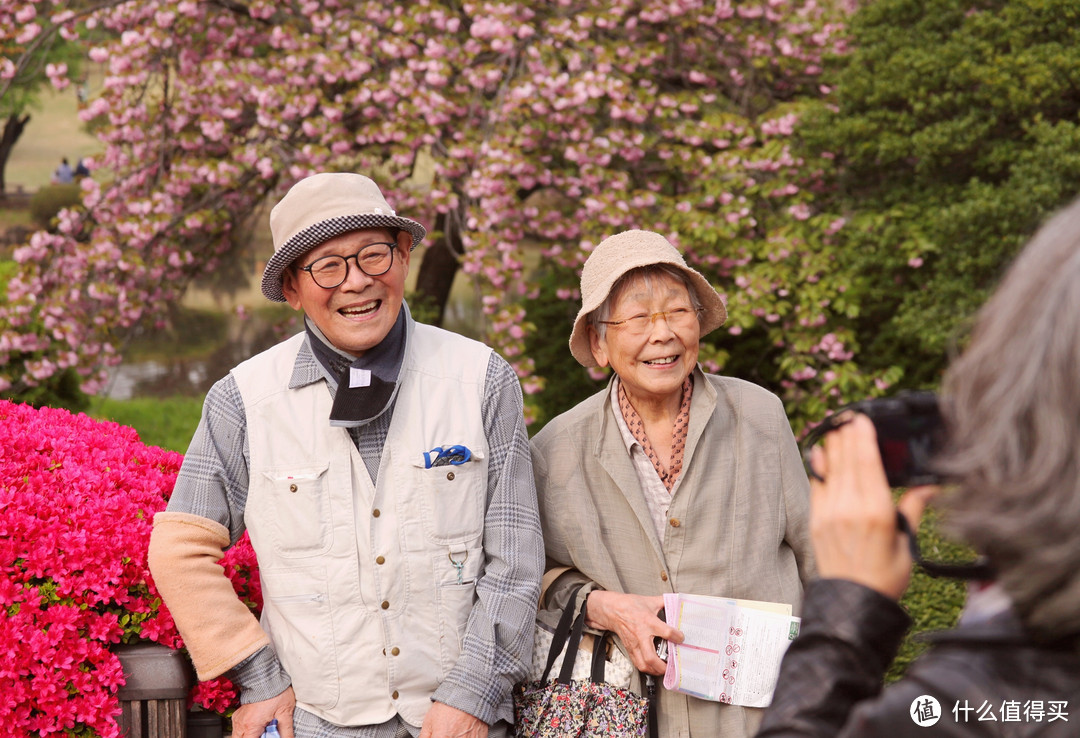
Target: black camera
[(910, 434)]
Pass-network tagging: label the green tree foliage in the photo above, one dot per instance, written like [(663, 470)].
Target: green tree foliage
[(955, 130), (552, 310)]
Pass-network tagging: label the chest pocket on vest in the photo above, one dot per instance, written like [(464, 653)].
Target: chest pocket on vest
[(453, 499), (301, 520)]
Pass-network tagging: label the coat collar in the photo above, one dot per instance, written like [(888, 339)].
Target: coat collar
[(613, 456)]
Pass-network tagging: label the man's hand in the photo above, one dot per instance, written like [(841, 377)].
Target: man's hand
[(633, 618), (852, 518), (443, 721), (250, 720)]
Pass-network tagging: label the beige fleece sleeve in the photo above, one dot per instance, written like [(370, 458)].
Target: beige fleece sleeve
[(218, 629)]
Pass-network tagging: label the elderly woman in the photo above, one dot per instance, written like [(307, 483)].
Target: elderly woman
[(669, 480)]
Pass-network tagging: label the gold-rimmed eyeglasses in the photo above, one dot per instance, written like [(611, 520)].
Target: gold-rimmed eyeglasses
[(640, 324)]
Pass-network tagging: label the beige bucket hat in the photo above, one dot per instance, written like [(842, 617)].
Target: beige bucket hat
[(617, 255), (321, 207)]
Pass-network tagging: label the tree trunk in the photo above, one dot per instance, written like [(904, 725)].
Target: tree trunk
[(13, 128), (437, 269)]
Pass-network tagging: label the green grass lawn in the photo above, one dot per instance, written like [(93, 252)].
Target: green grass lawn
[(10, 217), (166, 422)]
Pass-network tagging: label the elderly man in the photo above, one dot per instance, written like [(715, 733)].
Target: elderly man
[(381, 468)]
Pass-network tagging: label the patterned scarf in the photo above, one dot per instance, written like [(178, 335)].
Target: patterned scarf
[(678, 433)]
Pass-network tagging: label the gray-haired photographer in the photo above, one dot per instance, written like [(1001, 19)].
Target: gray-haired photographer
[(1011, 412)]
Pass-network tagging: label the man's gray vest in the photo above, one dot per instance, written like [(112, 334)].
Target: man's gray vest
[(363, 601)]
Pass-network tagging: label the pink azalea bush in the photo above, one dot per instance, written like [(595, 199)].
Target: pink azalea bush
[(77, 498)]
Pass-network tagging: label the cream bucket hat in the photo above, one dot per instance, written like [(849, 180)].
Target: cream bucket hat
[(617, 255), (319, 208)]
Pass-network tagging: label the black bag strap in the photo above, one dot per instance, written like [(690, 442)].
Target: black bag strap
[(558, 640), (599, 656), (567, 671), (599, 660)]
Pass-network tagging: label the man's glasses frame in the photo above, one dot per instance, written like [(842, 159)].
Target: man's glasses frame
[(358, 257)]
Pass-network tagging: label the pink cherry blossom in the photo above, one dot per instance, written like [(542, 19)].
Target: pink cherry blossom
[(520, 126)]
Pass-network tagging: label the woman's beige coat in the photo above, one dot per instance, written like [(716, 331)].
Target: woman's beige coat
[(738, 521)]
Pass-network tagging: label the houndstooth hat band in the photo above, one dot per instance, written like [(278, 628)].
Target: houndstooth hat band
[(319, 208)]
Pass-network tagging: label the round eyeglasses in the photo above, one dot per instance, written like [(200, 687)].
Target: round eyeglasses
[(329, 272), (640, 324)]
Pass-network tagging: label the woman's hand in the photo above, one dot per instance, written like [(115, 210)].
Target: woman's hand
[(852, 518), (634, 619)]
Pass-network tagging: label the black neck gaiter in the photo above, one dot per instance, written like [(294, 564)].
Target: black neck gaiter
[(366, 386)]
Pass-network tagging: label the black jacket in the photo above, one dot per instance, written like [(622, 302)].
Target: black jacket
[(988, 680)]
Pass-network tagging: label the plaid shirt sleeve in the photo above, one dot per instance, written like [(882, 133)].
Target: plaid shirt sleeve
[(213, 479), (498, 639)]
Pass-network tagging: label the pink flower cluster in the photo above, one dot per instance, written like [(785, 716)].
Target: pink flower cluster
[(77, 498), (506, 124), (541, 123)]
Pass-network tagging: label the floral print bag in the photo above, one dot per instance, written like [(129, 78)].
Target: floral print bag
[(577, 708)]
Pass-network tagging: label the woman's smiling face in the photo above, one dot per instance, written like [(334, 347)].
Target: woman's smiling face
[(652, 364)]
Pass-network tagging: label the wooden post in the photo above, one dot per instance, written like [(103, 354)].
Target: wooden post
[(153, 701)]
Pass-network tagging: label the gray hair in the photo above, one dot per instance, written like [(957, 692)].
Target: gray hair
[(646, 275), (1012, 406)]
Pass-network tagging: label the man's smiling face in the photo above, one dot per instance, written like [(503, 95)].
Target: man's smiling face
[(357, 314)]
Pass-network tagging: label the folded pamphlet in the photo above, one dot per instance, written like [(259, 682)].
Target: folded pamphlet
[(732, 648)]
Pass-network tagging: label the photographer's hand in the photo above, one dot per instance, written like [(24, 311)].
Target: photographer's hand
[(852, 517)]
